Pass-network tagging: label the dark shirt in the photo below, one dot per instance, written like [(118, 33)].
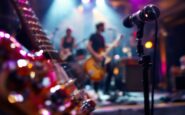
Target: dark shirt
[(98, 42), (68, 44)]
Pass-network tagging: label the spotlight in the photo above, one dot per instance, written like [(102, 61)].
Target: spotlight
[(22, 52), (6, 35), (100, 2), (80, 9), (116, 57), (148, 45), (44, 111), (2, 34), (125, 49), (15, 98), (22, 63), (39, 53), (95, 11), (55, 88), (116, 71), (85, 1), (12, 45), (32, 74)]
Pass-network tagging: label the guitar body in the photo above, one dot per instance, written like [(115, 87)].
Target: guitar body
[(29, 80), (22, 75), (65, 54), (96, 70), (23, 72)]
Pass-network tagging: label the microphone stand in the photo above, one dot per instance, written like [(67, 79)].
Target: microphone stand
[(145, 60)]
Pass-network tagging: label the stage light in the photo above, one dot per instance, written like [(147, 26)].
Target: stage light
[(22, 52), (6, 35), (61, 108), (48, 102), (14, 41), (116, 57), (116, 71), (55, 88), (80, 9), (100, 2), (30, 55), (39, 53), (148, 45), (11, 99), (12, 45), (46, 82), (74, 112), (44, 112), (32, 74), (95, 11), (30, 65), (1, 34), (22, 63), (125, 50), (85, 1), (68, 104), (15, 97)]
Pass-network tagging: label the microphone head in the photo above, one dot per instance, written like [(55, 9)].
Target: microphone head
[(127, 22), (149, 13)]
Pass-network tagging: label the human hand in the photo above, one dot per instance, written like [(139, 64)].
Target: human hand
[(99, 58)]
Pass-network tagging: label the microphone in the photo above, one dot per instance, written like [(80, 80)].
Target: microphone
[(148, 13)]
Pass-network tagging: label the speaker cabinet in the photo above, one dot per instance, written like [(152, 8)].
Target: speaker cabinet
[(133, 75), (180, 82)]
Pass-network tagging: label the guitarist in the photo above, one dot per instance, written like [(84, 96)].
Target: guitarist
[(67, 45), (95, 44)]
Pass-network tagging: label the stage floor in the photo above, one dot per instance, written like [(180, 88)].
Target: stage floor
[(132, 104), (177, 108)]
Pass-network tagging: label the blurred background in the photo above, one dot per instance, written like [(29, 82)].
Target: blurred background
[(81, 16)]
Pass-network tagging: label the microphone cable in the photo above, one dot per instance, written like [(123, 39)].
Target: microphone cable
[(154, 66)]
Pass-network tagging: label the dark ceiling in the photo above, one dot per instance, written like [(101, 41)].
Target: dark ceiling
[(172, 11)]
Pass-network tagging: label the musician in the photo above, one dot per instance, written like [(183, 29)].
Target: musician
[(67, 45), (177, 72), (96, 43), (182, 62)]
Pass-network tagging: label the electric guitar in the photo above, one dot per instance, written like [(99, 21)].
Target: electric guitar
[(95, 69), (65, 53), (36, 82)]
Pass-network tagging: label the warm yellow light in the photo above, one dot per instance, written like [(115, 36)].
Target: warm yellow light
[(30, 65), (116, 71), (32, 74), (14, 98), (11, 99), (125, 49), (148, 44)]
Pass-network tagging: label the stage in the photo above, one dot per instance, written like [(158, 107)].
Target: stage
[(132, 105), (177, 108), (45, 47)]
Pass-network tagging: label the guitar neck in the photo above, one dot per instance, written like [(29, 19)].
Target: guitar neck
[(34, 29), (112, 45)]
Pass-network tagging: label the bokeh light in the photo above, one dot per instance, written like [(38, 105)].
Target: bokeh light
[(86, 1), (148, 45)]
